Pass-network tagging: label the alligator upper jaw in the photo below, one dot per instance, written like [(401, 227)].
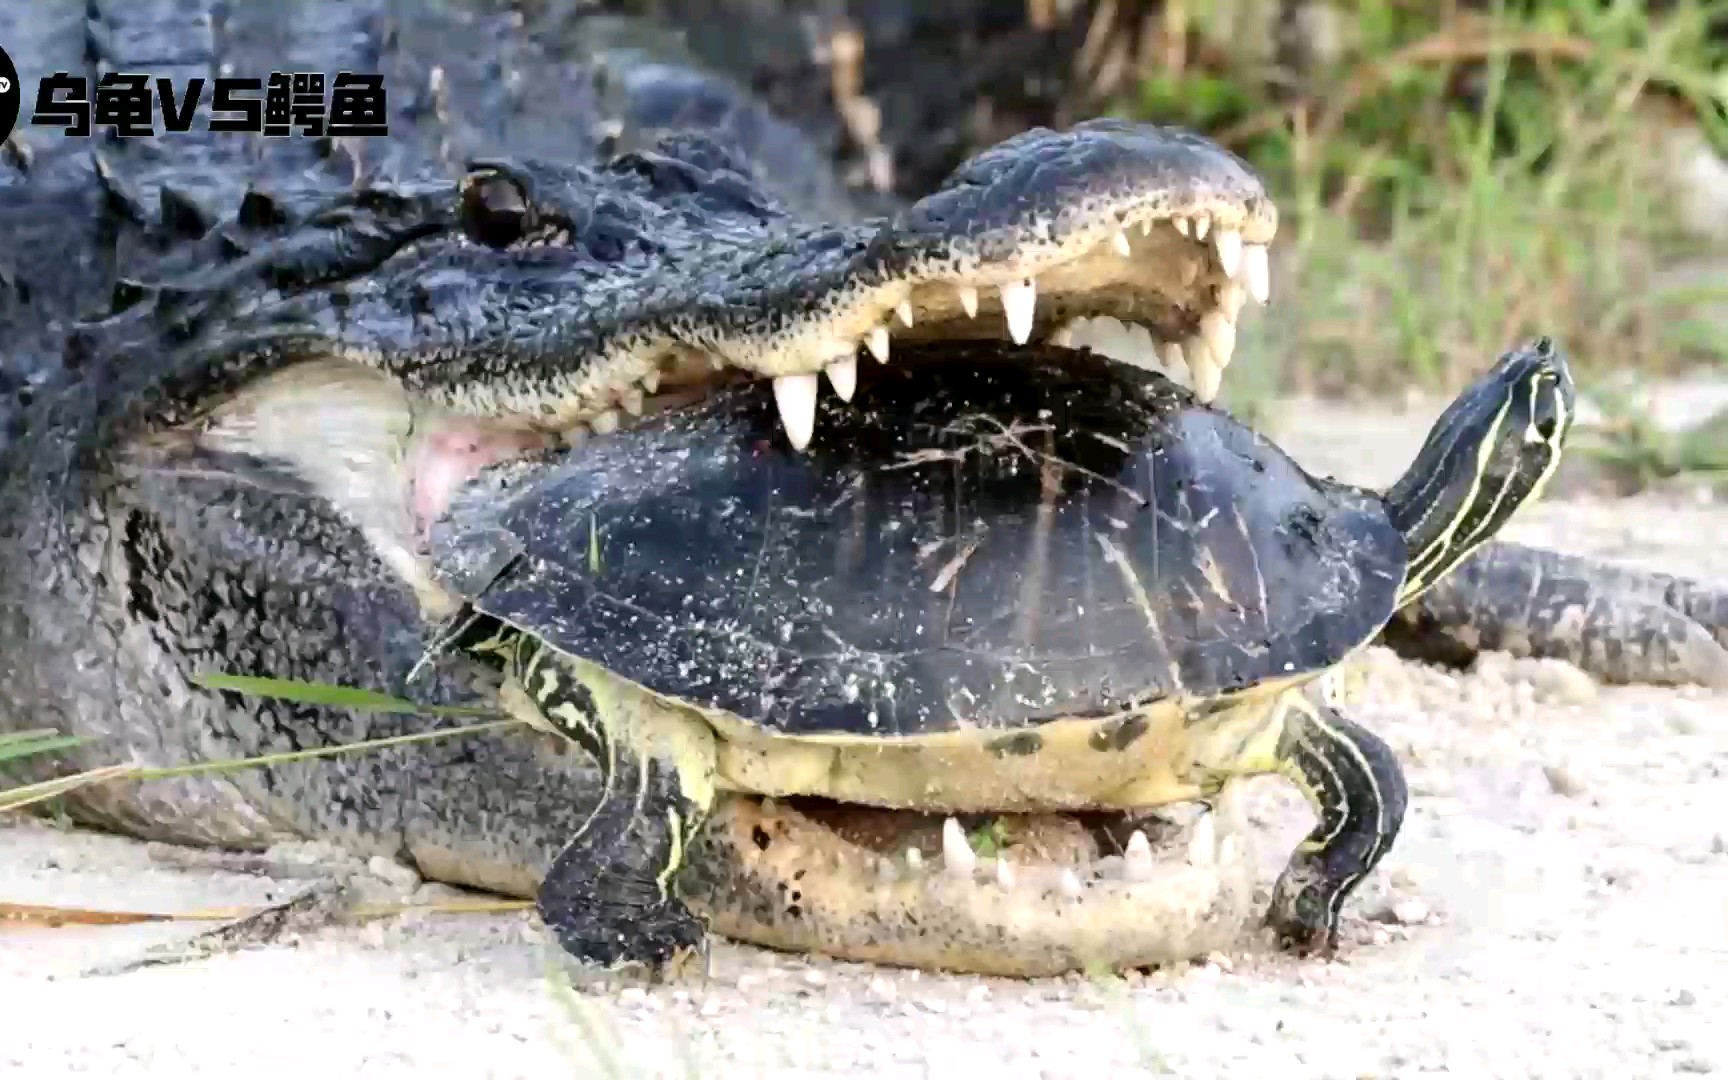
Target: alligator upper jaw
[(1156, 228), (1142, 283), (1154, 283)]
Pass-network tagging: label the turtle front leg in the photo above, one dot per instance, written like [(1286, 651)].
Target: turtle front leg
[(609, 896), (1620, 624), (1353, 782), (1356, 787)]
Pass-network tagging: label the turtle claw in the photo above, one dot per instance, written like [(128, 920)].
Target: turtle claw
[(684, 962), (1306, 942), (1301, 925)]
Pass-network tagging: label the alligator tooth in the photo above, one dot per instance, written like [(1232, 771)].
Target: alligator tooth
[(1099, 333), (1203, 845), (1069, 883), (958, 858), (1201, 225), (796, 396), (904, 310), (631, 399), (1137, 860), (1143, 348), (1129, 343), (1181, 225), (1004, 873), (1203, 369), (650, 382), (914, 859), (1019, 304), (1175, 363), (843, 376), (1063, 338), (1145, 226), (969, 300), (1257, 272), (1120, 243), (1229, 245), (1220, 333), (878, 342), (1231, 297), (606, 423)]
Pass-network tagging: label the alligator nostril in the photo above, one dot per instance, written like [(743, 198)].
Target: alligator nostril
[(495, 211)]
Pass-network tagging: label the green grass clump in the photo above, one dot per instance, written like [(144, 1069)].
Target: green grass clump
[(1459, 176)]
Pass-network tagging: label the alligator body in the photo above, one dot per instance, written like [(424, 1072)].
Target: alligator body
[(275, 328)]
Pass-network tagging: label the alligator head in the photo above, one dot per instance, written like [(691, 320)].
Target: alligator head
[(411, 337)]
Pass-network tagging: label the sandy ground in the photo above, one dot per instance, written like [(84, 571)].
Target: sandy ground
[(1557, 906)]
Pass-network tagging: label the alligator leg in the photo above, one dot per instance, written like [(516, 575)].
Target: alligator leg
[(609, 894), (1620, 624), (1356, 787)]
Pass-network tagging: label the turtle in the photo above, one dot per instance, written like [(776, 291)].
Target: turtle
[(709, 612)]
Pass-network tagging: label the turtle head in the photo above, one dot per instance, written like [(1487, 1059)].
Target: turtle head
[(1490, 452)]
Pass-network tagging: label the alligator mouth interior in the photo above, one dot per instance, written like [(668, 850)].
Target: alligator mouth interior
[(1065, 854)]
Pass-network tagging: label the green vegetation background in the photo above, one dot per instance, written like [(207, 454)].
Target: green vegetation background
[(1455, 176)]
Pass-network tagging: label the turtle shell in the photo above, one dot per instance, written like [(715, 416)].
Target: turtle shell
[(988, 536)]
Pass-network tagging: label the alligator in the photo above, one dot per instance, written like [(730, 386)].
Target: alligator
[(242, 375)]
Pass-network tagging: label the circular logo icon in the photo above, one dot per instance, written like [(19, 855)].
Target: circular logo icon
[(10, 95)]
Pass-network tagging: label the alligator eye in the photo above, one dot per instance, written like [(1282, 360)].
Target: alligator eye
[(495, 211)]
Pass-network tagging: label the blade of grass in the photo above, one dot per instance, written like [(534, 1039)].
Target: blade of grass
[(50, 916), (236, 764), (599, 1043), (18, 798), (340, 697), (30, 794), (20, 744)]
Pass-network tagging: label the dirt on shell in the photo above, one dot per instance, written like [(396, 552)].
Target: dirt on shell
[(1557, 906)]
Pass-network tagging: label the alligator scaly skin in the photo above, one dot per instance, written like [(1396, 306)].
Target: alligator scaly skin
[(109, 607)]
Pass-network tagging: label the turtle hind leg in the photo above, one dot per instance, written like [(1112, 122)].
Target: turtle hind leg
[(609, 895), (1620, 624), (1356, 787)]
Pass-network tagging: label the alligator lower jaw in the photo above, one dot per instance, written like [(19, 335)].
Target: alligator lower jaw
[(907, 889)]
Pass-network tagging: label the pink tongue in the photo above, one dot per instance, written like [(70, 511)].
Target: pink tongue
[(448, 457)]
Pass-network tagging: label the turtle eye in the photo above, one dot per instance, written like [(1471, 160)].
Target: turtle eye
[(495, 210)]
